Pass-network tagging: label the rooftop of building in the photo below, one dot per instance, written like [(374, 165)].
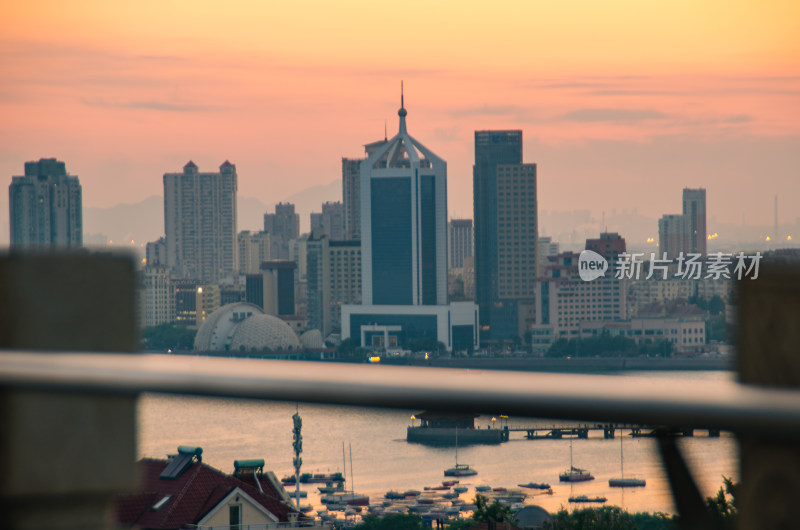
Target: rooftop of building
[(189, 496), (278, 264)]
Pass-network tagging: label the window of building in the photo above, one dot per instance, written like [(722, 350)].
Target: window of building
[(235, 516)]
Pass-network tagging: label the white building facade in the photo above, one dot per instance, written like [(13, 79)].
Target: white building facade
[(200, 222)]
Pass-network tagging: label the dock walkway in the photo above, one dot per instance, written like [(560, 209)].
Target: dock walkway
[(554, 432)]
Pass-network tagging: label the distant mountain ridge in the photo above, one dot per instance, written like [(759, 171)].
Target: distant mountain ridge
[(143, 221)]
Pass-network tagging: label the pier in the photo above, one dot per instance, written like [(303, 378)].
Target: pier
[(609, 430)]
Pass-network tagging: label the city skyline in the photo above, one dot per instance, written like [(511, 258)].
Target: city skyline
[(123, 95)]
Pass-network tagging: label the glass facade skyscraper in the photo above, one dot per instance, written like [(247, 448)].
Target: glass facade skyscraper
[(403, 212), (506, 234), (404, 223)]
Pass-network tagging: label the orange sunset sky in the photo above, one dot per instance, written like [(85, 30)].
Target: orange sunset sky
[(622, 103)]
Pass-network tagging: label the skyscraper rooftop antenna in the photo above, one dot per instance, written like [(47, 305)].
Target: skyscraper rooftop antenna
[(385, 131), (402, 112)]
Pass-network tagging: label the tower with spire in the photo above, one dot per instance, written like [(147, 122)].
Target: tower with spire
[(403, 203), (404, 222)]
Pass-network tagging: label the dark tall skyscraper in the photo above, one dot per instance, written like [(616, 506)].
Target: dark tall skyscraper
[(403, 210), (685, 233), (506, 234), (45, 207), (694, 215)]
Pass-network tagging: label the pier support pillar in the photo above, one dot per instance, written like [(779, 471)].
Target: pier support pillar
[(65, 456), (768, 341)]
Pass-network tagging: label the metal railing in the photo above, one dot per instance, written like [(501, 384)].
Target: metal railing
[(739, 408)]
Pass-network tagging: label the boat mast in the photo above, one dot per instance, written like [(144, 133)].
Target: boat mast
[(344, 466), (352, 480), (621, 464), (456, 446), (570, 455)]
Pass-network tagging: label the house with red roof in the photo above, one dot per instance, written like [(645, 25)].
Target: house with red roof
[(183, 492)]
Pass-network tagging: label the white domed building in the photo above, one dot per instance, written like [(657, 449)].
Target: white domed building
[(242, 326), (312, 339), (264, 332)]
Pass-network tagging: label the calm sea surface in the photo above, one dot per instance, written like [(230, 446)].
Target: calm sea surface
[(230, 429)]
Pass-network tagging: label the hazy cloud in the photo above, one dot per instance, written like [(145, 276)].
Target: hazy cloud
[(491, 110), (170, 58), (574, 85), (149, 105), (632, 92), (739, 118), (604, 115)]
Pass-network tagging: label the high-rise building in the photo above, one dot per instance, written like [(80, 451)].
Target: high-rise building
[(671, 236), (330, 221), (459, 241), (694, 219), (45, 207), (156, 296), (185, 300), (685, 233), (351, 197), (254, 249), (334, 279), (403, 188), (506, 235), (545, 248), (200, 222), (610, 245), (565, 302), (156, 253), (517, 232), (207, 300), (404, 224), (283, 227), (273, 288), (351, 191)]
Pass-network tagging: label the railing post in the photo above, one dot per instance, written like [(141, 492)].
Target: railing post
[(768, 344), (65, 456)]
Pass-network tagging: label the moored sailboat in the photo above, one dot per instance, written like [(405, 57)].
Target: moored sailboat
[(459, 470), (574, 474), (623, 482)]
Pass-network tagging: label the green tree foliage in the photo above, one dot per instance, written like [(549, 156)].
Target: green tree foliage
[(603, 345), (494, 512), (168, 337), (347, 347), (723, 505), (715, 306), (606, 345), (350, 350), (611, 518), (425, 344), (392, 522), (717, 329), (463, 524)]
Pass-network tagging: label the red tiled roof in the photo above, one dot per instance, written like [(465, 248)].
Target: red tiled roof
[(194, 493)]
